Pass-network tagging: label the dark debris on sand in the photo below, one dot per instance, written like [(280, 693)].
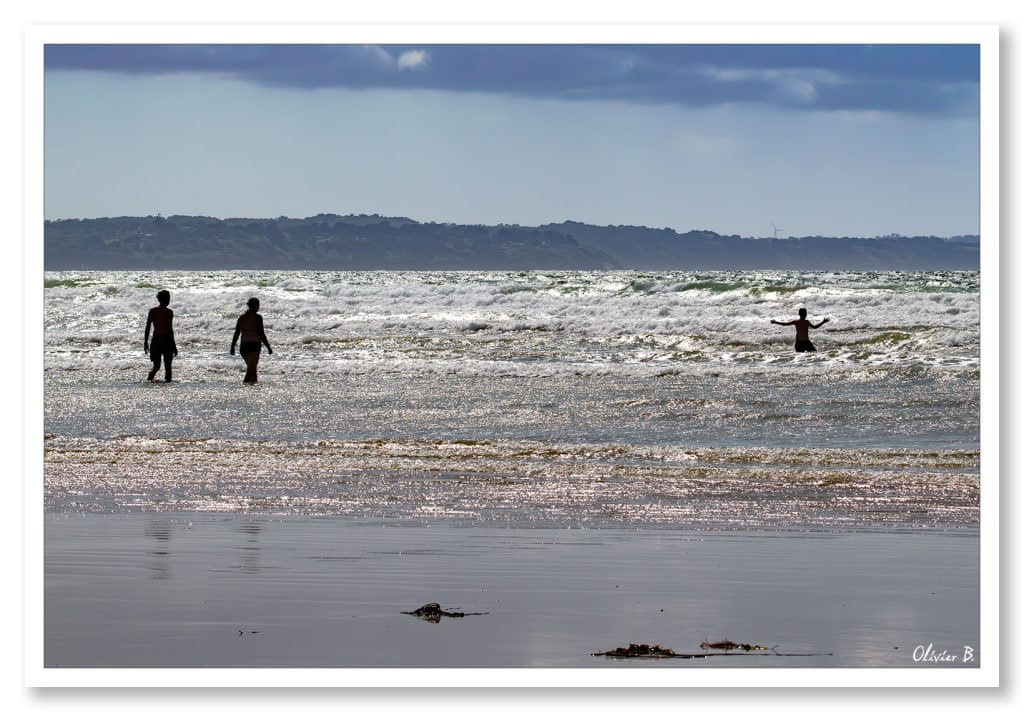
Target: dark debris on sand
[(646, 650), (729, 645), (433, 613), (640, 650)]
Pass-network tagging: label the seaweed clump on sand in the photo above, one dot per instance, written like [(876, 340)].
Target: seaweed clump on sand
[(729, 645), (433, 613), (721, 648), (641, 650)]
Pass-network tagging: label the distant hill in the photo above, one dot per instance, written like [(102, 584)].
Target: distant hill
[(359, 242), (647, 248)]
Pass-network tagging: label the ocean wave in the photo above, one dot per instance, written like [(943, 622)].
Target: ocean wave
[(931, 319)]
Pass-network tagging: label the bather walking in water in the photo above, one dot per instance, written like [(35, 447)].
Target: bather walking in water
[(803, 341), (161, 320), (250, 327)]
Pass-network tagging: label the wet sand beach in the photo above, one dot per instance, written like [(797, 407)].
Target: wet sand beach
[(201, 590)]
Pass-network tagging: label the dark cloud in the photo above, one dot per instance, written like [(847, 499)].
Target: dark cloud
[(922, 79)]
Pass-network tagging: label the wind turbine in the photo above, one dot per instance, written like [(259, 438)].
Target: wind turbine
[(776, 229)]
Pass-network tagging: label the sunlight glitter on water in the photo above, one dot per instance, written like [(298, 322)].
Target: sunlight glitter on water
[(613, 399), (504, 482)]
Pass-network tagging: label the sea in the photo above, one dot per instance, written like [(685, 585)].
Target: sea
[(540, 399)]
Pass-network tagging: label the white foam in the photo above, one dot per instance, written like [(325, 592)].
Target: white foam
[(528, 322)]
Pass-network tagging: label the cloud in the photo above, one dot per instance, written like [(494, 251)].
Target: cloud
[(940, 80), (377, 55), (413, 59)]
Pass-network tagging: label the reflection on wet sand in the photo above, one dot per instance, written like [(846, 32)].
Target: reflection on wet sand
[(158, 552), (249, 552)]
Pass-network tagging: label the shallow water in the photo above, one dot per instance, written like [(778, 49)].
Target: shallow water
[(533, 399), (521, 483)]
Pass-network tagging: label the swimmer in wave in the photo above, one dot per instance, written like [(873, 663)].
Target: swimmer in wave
[(803, 341)]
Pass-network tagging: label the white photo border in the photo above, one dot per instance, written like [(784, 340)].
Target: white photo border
[(986, 36)]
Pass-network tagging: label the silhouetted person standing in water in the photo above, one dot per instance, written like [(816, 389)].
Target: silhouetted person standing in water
[(803, 341), (160, 320), (250, 327)]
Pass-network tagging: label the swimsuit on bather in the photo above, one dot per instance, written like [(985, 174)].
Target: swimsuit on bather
[(805, 346), (161, 346)]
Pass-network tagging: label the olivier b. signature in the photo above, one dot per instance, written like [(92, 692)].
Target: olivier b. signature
[(929, 654)]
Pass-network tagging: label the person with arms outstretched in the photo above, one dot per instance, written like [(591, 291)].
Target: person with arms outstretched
[(160, 320), (250, 327), (803, 341)]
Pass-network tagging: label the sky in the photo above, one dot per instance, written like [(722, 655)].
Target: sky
[(756, 140)]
